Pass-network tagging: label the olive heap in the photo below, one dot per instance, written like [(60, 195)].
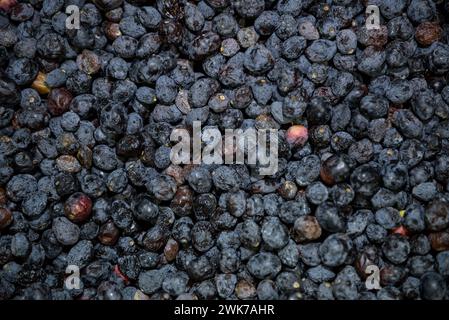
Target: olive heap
[(86, 180)]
